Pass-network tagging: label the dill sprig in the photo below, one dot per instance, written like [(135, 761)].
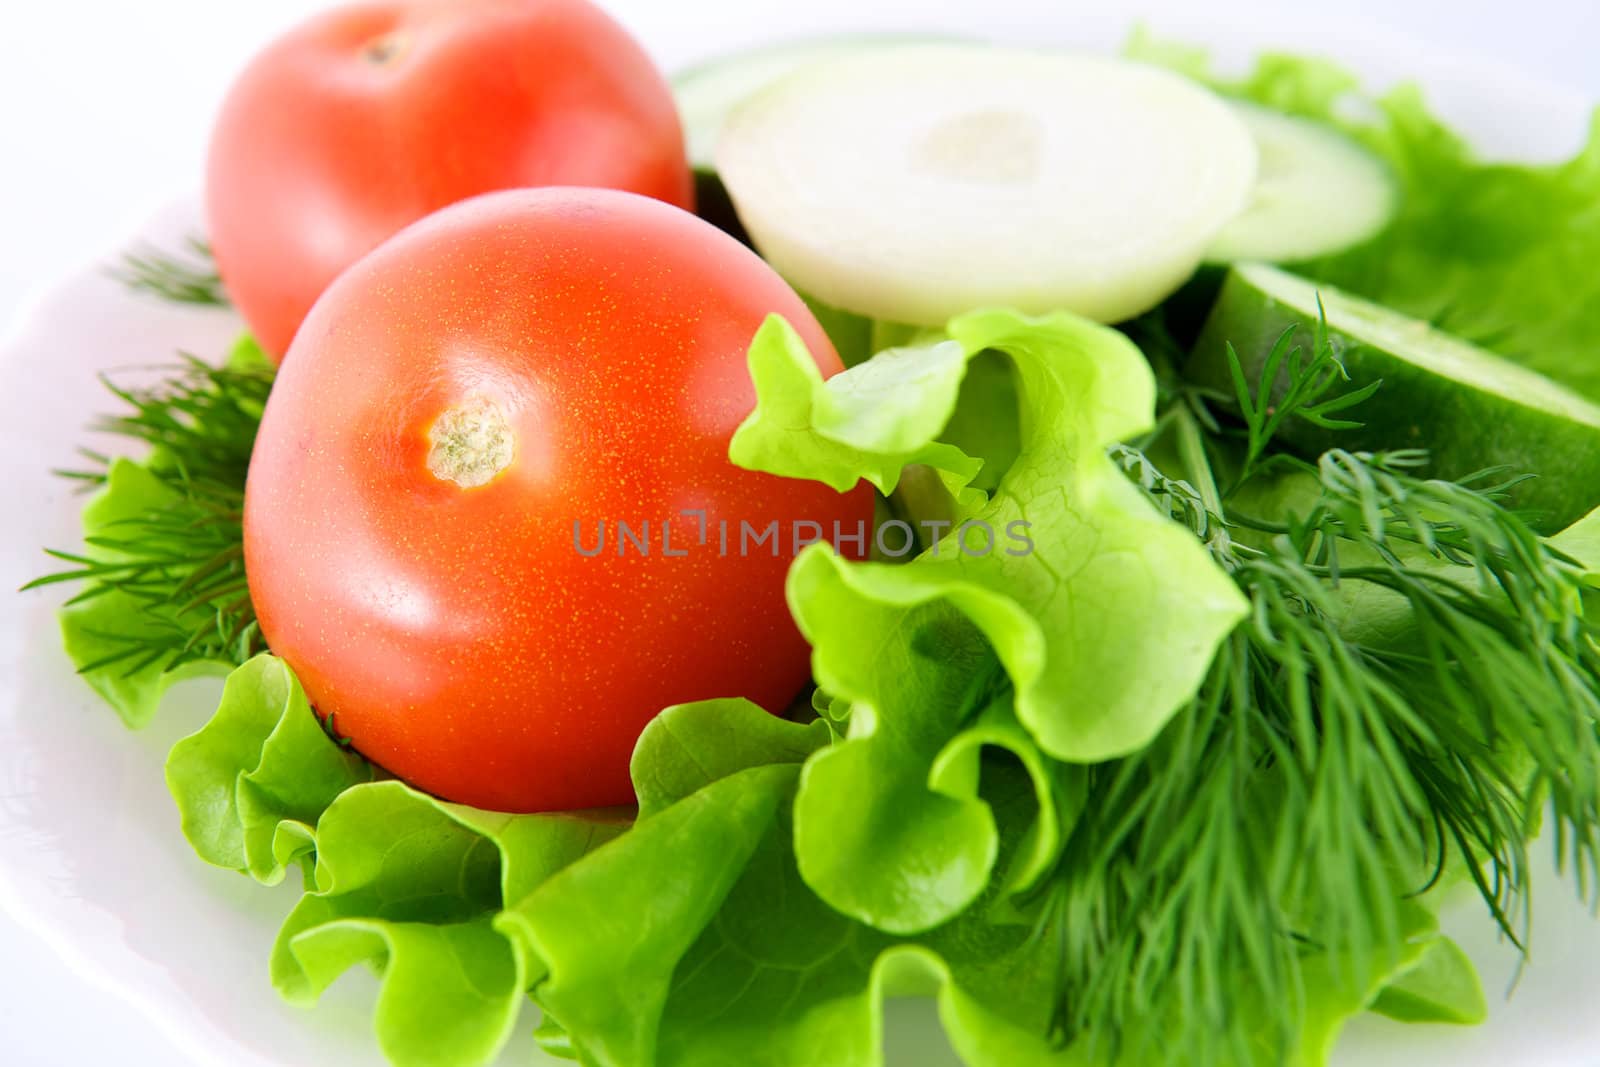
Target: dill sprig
[(182, 563), (1323, 775), (189, 278), (1307, 381)]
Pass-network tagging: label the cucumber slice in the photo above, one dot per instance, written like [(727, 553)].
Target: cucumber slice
[(707, 93), (1469, 408), (1317, 192), (919, 182)]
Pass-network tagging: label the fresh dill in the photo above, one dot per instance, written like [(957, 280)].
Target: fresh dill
[(1303, 395), (1326, 773), (182, 562), (187, 278)]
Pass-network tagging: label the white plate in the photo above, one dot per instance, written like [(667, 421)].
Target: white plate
[(90, 854)]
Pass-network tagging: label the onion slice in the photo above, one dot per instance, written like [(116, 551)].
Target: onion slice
[(912, 183)]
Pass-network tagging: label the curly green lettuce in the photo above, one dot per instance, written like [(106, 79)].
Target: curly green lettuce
[(397, 879), (252, 783), (733, 956), (686, 939), (678, 940), (1102, 613)]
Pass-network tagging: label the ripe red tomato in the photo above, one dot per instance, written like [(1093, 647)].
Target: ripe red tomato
[(366, 119), (582, 354)]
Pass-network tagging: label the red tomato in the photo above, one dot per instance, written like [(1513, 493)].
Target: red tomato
[(366, 119), (583, 354)]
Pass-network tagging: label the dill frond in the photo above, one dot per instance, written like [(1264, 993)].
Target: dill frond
[(189, 278), (1323, 776), (184, 561)]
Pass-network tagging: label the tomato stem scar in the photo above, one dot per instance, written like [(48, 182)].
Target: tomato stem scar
[(383, 50), (471, 443)]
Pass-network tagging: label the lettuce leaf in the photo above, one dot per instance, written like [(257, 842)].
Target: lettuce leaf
[(1104, 612), (733, 956), (1500, 254), (463, 912), (689, 747), (734, 959), (100, 626), (1441, 986), (1422, 972), (890, 826), (413, 886), (401, 881), (689, 939), (1104, 621), (251, 785), (870, 422), (247, 356)]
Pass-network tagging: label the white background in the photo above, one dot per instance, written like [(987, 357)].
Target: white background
[(104, 110)]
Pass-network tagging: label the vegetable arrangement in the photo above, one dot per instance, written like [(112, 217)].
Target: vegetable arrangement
[(1182, 629)]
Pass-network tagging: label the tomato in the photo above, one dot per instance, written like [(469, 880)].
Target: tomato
[(458, 415), (366, 119)]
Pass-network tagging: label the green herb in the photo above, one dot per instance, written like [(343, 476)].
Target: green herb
[(1319, 779), (189, 278), (181, 561), (1309, 380)]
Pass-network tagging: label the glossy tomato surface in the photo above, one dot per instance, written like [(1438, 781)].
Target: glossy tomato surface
[(368, 118), (582, 355)]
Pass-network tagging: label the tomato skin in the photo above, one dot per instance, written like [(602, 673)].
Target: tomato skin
[(368, 118), (457, 635)]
